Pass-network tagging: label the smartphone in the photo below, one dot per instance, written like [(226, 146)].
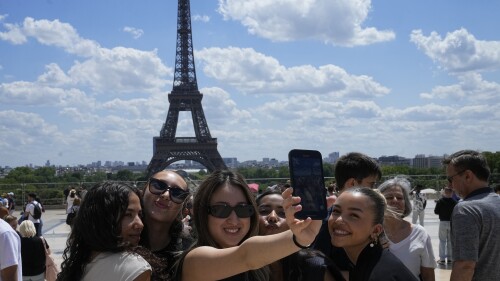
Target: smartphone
[(306, 176)]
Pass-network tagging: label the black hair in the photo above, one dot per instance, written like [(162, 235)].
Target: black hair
[(265, 193), (97, 228), (355, 165)]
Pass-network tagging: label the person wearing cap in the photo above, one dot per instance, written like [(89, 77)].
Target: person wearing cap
[(444, 208)]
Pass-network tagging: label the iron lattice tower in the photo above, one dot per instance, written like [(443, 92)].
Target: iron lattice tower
[(185, 96)]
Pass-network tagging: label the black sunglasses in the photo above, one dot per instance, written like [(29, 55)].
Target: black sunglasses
[(223, 211), (176, 194)]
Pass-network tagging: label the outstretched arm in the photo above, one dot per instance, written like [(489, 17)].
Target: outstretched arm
[(209, 263)]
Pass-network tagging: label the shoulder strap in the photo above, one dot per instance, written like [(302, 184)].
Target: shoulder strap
[(44, 245)]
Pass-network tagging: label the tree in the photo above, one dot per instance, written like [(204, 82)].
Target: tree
[(125, 175)]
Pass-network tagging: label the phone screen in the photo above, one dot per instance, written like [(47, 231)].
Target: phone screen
[(306, 172)]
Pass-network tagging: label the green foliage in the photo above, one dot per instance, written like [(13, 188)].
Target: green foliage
[(125, 175)]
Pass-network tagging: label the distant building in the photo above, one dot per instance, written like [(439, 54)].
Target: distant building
[(332, 157), (425, 162), (394, 160), (231, 162)]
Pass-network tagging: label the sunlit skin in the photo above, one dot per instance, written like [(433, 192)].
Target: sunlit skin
[(351, 223), (159, 207), (160, 212), (271, 215), (230, 231), (370, 181), (13, 223), (458, 183), (131, 224), (395, 198)]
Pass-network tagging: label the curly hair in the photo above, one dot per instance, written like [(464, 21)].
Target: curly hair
[(96, 227)]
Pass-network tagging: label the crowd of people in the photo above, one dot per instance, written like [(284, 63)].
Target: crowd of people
[(224, 230)]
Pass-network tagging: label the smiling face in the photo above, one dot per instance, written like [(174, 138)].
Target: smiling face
[(131, 224), (271, 215), (159, 207), (230, 231), (351, 224)]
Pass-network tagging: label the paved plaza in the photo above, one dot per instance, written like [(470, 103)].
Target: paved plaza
[(56, 231)]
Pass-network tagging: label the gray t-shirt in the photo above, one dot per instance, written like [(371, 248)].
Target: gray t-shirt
[(475, 234)]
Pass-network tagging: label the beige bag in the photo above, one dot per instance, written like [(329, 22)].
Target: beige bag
[(51, 269)]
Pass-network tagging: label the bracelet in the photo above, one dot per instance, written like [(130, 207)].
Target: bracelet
[(297, 243)]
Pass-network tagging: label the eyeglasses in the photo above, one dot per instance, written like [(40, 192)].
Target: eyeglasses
[(450, 178), (265, 211), (223, 211), (176, 194)]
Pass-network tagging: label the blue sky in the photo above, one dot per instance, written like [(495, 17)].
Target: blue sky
[(82, 81)]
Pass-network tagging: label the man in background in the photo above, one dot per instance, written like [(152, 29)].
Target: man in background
[(475, 227), (444, 208)]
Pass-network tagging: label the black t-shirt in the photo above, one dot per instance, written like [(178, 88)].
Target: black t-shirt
[(33, 256)]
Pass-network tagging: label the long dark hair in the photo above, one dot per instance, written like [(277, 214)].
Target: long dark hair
[(96, 227), (201, 201)]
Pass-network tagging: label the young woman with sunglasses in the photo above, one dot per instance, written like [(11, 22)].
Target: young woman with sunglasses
[(163, 198), (307, 264), (226, 222)]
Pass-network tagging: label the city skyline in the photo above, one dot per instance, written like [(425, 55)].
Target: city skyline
[(330, 158), (86, 80)]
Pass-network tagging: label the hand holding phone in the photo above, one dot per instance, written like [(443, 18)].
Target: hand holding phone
[(306, 175)]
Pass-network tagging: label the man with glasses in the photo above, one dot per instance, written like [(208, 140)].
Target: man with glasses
[(475, 221)]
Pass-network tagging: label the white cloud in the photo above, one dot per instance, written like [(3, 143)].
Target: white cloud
[(21, 129), (253, 72), (14, 34), (202, 18), (34, 94), (117, 70), (334, 22), (62, 35), (135, 32), (121, 70), (459, 51), (470, 88)]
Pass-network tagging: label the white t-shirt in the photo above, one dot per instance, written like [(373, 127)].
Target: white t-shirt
[(123, 266), (415, 250), (30, 207), (10, 245)]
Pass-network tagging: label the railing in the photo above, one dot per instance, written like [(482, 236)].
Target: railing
[(53, 193)]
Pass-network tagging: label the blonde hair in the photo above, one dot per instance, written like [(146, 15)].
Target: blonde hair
[(27, 229)]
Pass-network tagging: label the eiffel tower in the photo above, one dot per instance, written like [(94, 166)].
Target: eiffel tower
[(185, 96)]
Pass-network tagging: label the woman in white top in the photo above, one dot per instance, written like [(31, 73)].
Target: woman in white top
[(69, 200), (409, 242), (103, 241)]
